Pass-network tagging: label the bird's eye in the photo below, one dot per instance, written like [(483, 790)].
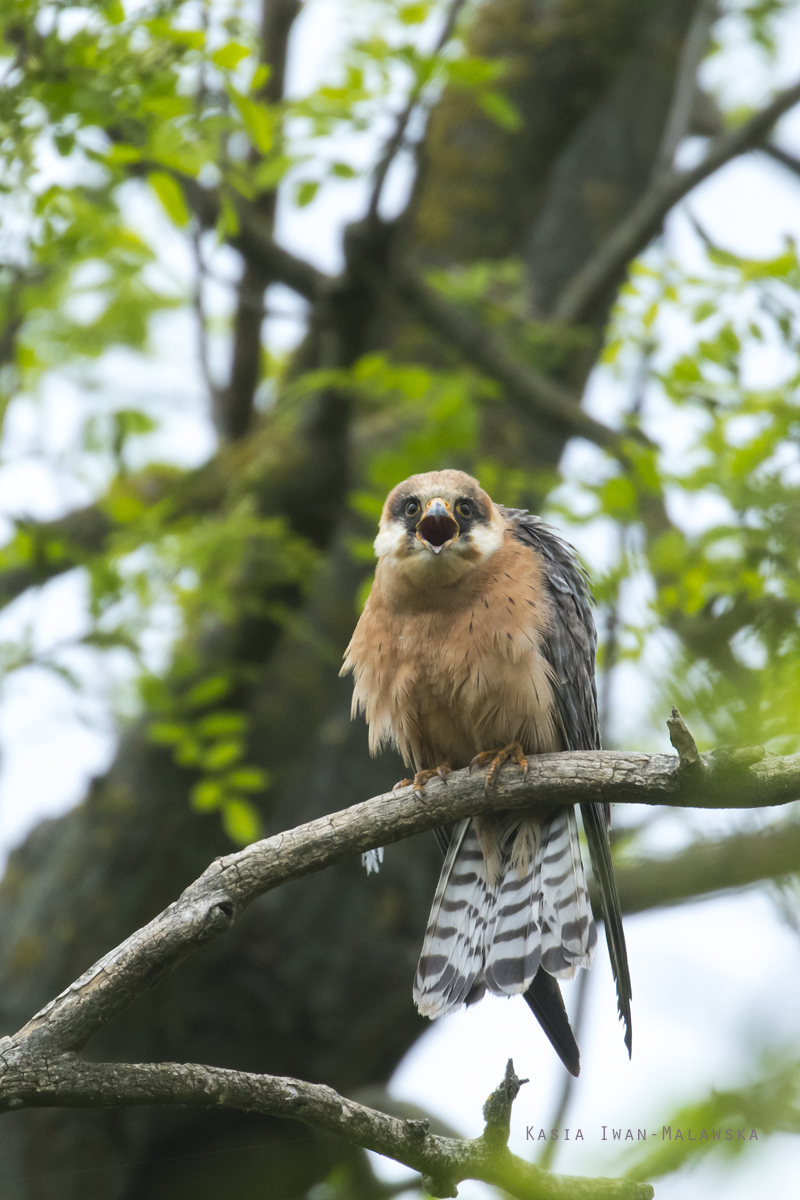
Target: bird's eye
[(412, 508), (464, 508)]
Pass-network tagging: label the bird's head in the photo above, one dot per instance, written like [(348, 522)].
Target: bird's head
[(438, 526)]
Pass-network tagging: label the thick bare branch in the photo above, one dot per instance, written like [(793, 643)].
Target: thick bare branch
[(210, 905), (443, 1162), (633, 232)]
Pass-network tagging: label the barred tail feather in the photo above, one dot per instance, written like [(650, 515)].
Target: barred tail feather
[(569, 934), (452, 953), (513, 935), (498, 934)]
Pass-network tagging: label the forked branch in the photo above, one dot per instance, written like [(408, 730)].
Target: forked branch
[(39, 1065), (644, 220), (443, 1162)]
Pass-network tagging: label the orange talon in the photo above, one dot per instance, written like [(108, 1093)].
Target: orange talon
[(423, 777), (496, 758)]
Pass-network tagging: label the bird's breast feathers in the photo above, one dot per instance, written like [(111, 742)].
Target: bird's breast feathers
[(442, 672)]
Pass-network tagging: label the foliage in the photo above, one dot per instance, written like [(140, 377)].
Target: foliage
[(725, 581), (727, 1122)]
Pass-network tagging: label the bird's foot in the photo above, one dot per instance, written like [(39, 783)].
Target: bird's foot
[(423, 777), (496, 758)]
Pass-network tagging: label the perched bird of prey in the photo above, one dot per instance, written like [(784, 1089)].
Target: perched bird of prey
[(477, 645)]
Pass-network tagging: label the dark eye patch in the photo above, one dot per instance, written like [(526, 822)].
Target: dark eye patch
[(469, 512), (407, 509)]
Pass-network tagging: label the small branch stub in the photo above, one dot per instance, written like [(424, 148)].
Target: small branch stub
[(681, 738), (497, 1109), (417, 1129)]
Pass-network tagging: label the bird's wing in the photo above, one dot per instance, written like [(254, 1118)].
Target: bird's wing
[(570, 648)]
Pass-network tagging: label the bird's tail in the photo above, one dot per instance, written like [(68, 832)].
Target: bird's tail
[(496, 918), (452, 953)]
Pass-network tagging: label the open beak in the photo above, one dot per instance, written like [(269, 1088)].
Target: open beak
[(438, 527)]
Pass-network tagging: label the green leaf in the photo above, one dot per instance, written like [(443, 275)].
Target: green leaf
[(219, 724), (222, 754), (229, 56), (193, 39), (343, 170), (170, 195), (270, 172), (188, 752), (501, 110), (207, 795), (413, 14), (131, 422), (165, 733), (618, 497), (207, 691), (65, 143), (228, 222), (305, 192), (114, 11), (611, 351), (120, 153), (703, 311), (241, 821), (686, 370), (258, 120), (260, 77), (248, 779), (471, 72)]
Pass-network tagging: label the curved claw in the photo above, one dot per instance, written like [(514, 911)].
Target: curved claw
[(480, 760), (423, 777), (496, 758)]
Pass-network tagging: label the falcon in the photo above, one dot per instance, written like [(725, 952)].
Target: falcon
[(477, 646)]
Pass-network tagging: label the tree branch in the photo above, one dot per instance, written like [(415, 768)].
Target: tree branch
[(443, 1162), (680, 113), (67, 542), (209, 906), (39, 1065), (708, 868), (395, 141), (254, 239), (782, 156), (644, 220), (541, 396), (233, 411)]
